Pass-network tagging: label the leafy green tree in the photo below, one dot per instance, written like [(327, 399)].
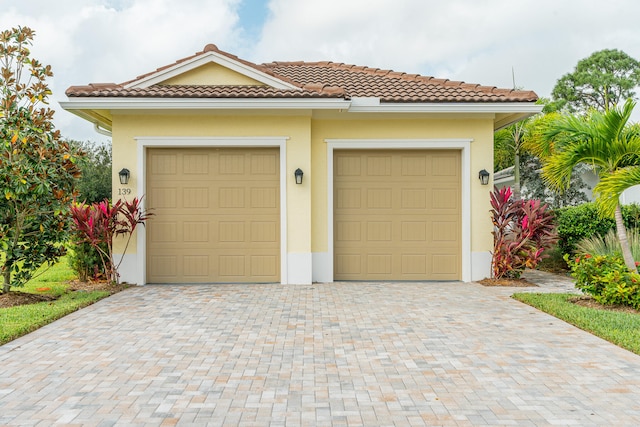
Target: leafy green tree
[(604, 79), (535, 188), (603, 140), (95, 184), (37, 169)]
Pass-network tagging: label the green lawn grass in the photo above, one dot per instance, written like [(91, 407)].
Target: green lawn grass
[(20, 320), (622, 329)]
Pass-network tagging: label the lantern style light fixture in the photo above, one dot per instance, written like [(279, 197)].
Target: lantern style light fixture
[(298, 174), (483, 176), (124, 175)]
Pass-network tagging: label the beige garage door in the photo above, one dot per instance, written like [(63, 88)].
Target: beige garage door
[(397, 215), (217, 215)]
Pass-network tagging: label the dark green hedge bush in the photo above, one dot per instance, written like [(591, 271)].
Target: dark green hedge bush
[(577, 222)]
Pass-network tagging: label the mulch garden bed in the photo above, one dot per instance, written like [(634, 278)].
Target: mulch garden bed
[(519, 283), (587, 301), (15, 298)]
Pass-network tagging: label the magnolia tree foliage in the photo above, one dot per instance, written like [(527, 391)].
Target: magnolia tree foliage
[(37, 169)]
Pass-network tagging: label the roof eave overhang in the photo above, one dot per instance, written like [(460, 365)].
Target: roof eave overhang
[(449, 107), (505, 114), (92, 116), (91, 103)]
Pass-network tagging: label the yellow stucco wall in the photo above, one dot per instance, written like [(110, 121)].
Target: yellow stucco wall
[(481, 157), (296, 128), (307, 214), (212, 74)]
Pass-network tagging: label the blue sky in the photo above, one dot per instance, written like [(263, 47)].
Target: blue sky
[(475, 41), (252, 15)]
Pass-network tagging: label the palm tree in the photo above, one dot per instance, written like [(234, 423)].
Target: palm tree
[(605, 141), (508, 144)]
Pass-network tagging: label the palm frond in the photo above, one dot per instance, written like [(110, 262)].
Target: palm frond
[(611, 186)]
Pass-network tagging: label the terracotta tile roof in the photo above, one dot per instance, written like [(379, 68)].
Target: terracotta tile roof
[(393, 86), (192, 91), (316, 80)]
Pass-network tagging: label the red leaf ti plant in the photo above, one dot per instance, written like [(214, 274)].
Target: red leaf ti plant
[(98, 223), (522, 230)]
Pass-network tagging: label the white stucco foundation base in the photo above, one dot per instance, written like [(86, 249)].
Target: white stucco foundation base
[(303, 268), (299, 268), (322, 267), (128, 269), (480, 265)]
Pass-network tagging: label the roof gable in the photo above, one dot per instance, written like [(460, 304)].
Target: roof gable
[(212, 74), (239, 69)]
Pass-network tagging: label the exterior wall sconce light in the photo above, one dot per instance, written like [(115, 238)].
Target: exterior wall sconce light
[(298, 174), (124, 175), (483, 176)]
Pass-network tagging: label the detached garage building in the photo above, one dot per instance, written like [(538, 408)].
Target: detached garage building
[(298, 172)]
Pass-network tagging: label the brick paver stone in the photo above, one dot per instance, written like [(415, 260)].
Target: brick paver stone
[(343, 354)]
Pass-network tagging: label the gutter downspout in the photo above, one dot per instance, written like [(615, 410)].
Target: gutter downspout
[(101, 131)]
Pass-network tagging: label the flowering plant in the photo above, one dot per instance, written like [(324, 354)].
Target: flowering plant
[(606, 278)]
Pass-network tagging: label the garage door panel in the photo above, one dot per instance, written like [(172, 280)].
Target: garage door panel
[(445, 166), (166, 265), (414, 165), (265, 165), (379, 165), (164, 197), (196, 266), (414, 264), (379, 264), (217, 215), (195, 231), (162, 164), (348, 265), (264, 198), (195, 164), (265, 266), (397, 214), (195, 198)]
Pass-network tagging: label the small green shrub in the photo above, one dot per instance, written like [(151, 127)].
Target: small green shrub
[(85, 261), (606, 278), (583, 221)]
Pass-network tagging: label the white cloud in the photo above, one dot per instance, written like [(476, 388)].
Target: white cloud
[(114, 41), (475, 41)]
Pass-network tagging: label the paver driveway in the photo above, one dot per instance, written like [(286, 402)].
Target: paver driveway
[(338, 354)]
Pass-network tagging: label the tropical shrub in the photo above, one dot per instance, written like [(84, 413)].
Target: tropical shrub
[(606, 278), (97, 224), (576, 223), (609, 244), (523, 229)]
